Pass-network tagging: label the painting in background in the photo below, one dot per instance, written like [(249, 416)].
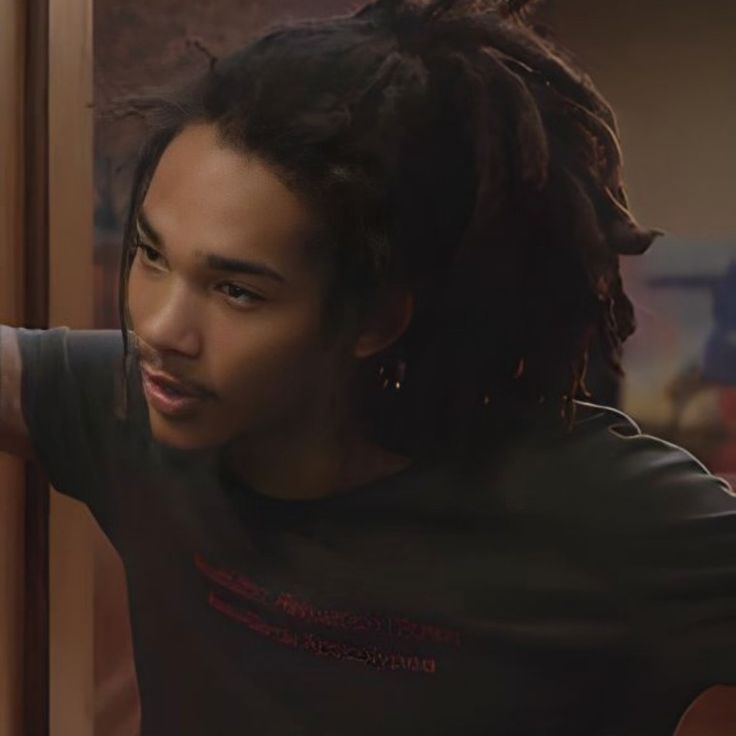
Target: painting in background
[(681, 362)]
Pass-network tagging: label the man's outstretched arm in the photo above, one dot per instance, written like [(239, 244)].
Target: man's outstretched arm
[(14, 438)]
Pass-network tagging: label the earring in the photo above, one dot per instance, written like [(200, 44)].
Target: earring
[(382, 376), (399, 375), (520, 368)]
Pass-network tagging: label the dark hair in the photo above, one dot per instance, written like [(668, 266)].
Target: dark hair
[(450, 147)]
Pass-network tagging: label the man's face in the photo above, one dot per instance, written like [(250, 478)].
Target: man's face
[(252, 336)]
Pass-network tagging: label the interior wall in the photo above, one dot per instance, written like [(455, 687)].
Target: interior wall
[(11, 296), (667, 67)]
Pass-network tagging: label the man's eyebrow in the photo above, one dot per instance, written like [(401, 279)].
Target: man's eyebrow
[(214, 262), (238, 265), (144, 226)]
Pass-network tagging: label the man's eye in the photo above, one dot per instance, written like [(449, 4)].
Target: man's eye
[(240, 295), (149, 254)]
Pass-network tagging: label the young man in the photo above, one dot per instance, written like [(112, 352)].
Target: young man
[(339, 443)]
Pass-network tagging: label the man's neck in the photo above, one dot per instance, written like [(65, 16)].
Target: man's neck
[(312, 467)]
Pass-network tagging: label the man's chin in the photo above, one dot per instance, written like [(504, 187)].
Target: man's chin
[(180, 436)]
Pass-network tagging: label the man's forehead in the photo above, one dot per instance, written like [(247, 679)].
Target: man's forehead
[(235, 203), (247, 246)]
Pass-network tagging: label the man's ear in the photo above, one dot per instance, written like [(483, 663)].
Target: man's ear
[(387, 323)]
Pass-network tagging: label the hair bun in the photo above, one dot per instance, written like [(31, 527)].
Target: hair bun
[(409, 16), (509, 8), (406, 20)]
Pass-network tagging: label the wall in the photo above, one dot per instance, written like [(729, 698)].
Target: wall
[(668, 69)]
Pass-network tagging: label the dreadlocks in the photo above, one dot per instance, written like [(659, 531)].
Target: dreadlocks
[(449, 147)]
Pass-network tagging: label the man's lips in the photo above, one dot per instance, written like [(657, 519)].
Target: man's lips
[(168, 381)]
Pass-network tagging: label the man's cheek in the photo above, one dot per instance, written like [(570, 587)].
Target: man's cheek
[(256, 389)]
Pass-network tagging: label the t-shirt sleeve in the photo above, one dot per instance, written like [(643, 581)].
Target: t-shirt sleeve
[(670, 542), (69, 392)]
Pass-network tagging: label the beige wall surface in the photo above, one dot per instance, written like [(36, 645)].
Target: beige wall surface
[(668, 68), (11, 469)]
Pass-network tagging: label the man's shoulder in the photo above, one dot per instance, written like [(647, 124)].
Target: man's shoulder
[(606, 472)]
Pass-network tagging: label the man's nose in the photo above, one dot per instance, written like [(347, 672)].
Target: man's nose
[(172, 325)]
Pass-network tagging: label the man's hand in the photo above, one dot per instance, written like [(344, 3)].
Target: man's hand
[(14, 437)]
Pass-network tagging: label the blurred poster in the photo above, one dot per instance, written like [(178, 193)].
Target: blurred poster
[(681, 363)]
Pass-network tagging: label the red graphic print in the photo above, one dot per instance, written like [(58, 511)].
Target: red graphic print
[(303, 612)]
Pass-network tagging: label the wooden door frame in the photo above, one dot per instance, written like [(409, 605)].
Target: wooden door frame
[(58, 286), (71, 529), (35, 314)]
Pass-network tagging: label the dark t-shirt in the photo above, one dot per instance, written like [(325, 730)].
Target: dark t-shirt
[(589, 589)]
